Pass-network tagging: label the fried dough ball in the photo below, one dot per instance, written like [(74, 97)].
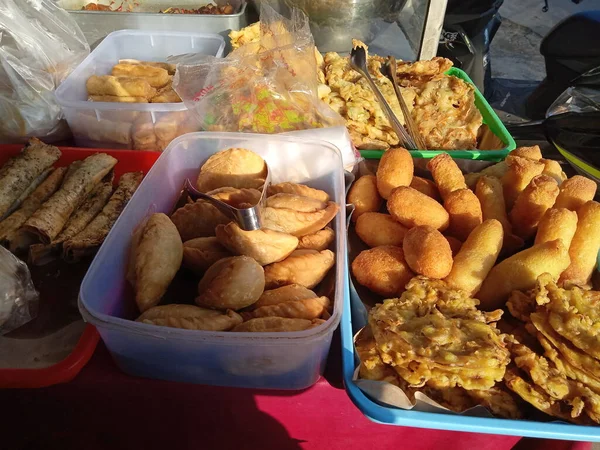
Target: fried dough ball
[(554, 169), (364, 196), (383, 270), (465, 213), (534, 152), (427, 252), (412, 208), (396, 168), (234, 167), (376, 229)]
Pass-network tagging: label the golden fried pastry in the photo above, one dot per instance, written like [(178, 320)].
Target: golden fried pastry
[(116, 99), (376, 229), (198, 219), (155, 76), (496, 170), (476, 257), (155, 258), (275, 325), (295, 202), (531, 205), (371, 365), (499, 401), (190, 317), (395, 169), (364, 196), (284, 294), (557, 223), (201, 253), (170, 68), (584, 246), (304, 267), (307, 308), (119, 86), (519, 174), (427, 252), (534, 152), (412, 208), (464, 211), (455, 245), (554, 169), (234, 167), (426, 187), (298, 223), (298, 189), (238, 198), (383, 270), (520, 272), (319, 240), (520, 305), (446, 174), (231, 283), (265, 246), (575, 192)]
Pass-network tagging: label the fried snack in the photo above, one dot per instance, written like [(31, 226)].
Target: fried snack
[(377, 229), (446, 174), (396, 168), (531, 205), (298, 189), (412, 208), (274, 325), (201, 253), (364, 196), (584, 246), (234, 167), (519, 174), (238, 198), (168, 126), (155, 257), (304, 267), (557, 223), (263, 245), (455, 245), (426, 187), (465, 213), (166, 94), (190, 317), (371, 365), (534, 153), (554, 169), (170, 68), (575, 192), (157, 77), (520, 272), (520, 305), (319, 240), (383, 270), (308, 308), (116, 99), (476, 257), (427, 252), (496, 170), (198, 219), (295, 202), (119, 86), (291, 292), (231, 283), (499, 401), (298, 223)]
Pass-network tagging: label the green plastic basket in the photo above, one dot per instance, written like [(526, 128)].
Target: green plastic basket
[(490, 118)]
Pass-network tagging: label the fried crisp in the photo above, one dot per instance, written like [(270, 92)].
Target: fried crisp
[(464, 210), (320, 240), (531, 205), (234, 167), (412, 208), (520, 171), (191, 317), (304, 267), (383, 270), (521, 305)]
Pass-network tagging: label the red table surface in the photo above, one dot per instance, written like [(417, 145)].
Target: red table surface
[(103, 408)]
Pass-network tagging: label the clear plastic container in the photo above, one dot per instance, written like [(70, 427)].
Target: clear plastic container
[(292, 360), (122, 125)]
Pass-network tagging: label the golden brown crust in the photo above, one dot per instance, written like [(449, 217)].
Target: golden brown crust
[(190, 317), (201, 253), (377, 229), (298, 189), (412, 208), (465, 213), (198, 219), (234, 167), (531, 205), (575, 192), (446, 174), (364, 196), (427, 252), (298, 223), (396, 168), (383, 270), (284, 294), (275, 325), (320, 240), (304, 267), (426, 187), (518, 175), (308, 308), (295, 202)]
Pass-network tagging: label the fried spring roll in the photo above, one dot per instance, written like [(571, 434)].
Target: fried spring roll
[(171, 68), (119, 86), (531, 205), (575, 192), (557, 223), (116, 99), (89, 240), (519, 174), (447, 175), (157, 77), (497, 170), (21, 171), (464, 210)]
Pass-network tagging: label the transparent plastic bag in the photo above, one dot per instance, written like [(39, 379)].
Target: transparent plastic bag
[(267, 84), (18, 297), (578, 99), (40, 44)]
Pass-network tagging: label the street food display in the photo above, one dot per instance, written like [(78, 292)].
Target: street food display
[(130, 6)]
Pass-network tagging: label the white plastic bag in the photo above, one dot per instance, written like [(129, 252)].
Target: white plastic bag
[(40, 44)]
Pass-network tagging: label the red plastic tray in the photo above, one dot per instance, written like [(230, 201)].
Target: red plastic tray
[(68, 368)]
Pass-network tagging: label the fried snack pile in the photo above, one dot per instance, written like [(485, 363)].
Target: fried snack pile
[(273, 279), (210, 9)]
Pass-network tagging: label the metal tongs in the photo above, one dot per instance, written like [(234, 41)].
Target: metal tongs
[(249, 219)]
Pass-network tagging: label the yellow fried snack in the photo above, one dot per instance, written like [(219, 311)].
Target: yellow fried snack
[(554, 169), (170, 68), (534, 152), (298, 223), (499, 401), (155, 258), (427, 252), (238, 198), (234, 167), (496, 170), (575, 192), (383, 270), (274, 325), (531, 205), (319, 240), (455, 245), (364, 196), (231, 283), (584, 246), (372, 367), (519, 174), (198, 219), (190, 317), (308, 308), (156, 76), (304, 267), (119, 86), (201, 253), (284, 294), (446, 174), (295, 202), (465, 213), (116, 99), (476, 257), (557, 223), (166, 94), (395, 169), (298, 189), (412, 208), (376, 229), (265, 246), (426, 187), (520, 272)]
